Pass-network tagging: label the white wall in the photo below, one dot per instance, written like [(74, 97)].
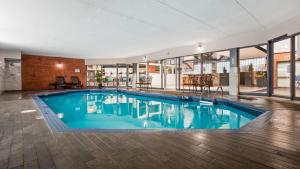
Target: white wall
[(7, 83)]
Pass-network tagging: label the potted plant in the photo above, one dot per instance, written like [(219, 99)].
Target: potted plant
[(99, 77), (261, 79)]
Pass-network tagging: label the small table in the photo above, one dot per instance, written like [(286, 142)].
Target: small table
[(52, 86)]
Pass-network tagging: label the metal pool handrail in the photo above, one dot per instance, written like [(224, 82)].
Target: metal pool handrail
[(203, 91), (216, 93)]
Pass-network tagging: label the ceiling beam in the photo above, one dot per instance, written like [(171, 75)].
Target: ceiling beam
[(261, 49)]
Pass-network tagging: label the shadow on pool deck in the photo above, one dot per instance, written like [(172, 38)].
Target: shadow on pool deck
[(26, 142)]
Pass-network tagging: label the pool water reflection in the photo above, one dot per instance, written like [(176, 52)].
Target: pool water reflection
[(115, 110)]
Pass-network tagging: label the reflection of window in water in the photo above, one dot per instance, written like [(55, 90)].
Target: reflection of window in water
[(91, 107)]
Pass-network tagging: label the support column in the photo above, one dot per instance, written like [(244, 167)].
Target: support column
[(127, 74), (234, 76), (161, 74), (201, 64), (134, 74), (178, 68), (117, 66), (292, 71), (147, 69), (176, 73), (270, 68)]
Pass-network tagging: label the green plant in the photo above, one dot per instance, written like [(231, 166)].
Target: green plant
[(99, 76), (260, 74)]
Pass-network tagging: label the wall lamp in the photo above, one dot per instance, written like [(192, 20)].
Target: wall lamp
[(59, 65)]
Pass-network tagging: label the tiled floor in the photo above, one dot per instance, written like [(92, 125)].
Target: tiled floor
[(26, 142)]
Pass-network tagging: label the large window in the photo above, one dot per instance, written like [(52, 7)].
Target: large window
[(142, 72), (91, 75), (281, 73), (253, 69), (190, 67), (130, 75), (122, 75), (216, 65), (110, 75), (169, 66), (206, 69), (154, 72)]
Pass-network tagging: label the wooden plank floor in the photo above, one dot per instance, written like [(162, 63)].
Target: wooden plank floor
[(26, 142)]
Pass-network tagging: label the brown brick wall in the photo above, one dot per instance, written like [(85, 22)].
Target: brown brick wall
[(39, 71)]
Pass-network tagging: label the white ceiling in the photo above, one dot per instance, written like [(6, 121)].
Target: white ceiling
[(123, 28)]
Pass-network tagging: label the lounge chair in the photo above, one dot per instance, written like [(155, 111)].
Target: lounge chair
[(75, 82), (61, 82)]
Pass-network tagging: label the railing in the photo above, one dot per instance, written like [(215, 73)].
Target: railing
[(219, 89), (205, 90)]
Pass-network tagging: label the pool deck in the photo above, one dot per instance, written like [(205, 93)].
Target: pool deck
[(26, 142)]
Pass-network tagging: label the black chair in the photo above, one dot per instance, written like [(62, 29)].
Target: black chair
[(75, 82), (61, 82)]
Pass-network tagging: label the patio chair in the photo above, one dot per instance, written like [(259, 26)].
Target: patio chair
[(188, 81), (145, 82), (200, 82), (75, 82), (61, 82)]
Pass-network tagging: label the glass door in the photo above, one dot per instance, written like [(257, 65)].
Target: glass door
[(253, 70), (142, 74), (130, 75), (92, 71), (190, 68), (154, 71), (110, 75), (122, 75), (281, 71), (215, 70), (169, 69)]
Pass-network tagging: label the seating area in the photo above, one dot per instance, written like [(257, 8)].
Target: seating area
[(193, 82), (61, 83), (145, 82)]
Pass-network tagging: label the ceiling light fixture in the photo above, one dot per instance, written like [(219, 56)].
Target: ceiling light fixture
[(145, 58), (200, 48)]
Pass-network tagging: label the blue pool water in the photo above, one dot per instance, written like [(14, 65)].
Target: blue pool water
[(118, 110)]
